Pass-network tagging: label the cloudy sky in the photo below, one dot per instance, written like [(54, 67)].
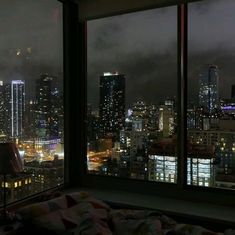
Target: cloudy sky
[(143, 46), (30, 24), (140, 45)]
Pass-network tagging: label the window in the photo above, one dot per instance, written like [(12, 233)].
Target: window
[(195, 174), (132, 90), (31, 93), (211, 106)]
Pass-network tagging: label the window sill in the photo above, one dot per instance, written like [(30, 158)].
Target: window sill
[(182, 210)]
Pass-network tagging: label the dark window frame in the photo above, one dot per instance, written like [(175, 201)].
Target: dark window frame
[(75, 87), (33, 196)]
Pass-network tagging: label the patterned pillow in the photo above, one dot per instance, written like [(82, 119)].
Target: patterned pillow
[(58, 221), (38, 209), (136, 222), (81, 217), (78, 197)]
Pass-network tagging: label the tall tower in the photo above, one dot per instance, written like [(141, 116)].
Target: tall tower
[(43, 106), (209, 88), (112, 103), (166, 118), (2, 109), (49, 108), (17, 108)]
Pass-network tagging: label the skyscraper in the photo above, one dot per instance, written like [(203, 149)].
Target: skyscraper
[(166, 118), (2, 109), (209, 88), (112, 103), (17, 108), (49, 108), (43, 107)]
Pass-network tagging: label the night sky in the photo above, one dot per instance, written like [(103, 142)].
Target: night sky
[(143, 46), (30, 24)]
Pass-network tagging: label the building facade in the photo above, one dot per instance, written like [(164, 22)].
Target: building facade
[(209, 88), (17, 108), (112, 103)]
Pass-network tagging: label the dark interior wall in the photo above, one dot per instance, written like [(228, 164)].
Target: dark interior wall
[(90, 9)]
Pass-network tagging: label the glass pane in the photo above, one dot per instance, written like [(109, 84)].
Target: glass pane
[(31, 93), (211, 107), (132, 88)]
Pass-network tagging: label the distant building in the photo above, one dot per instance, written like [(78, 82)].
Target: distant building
[(17, 187), (209, 88), (200, 165), (201, 118), (144, 116), (48, 108), (17, 108), (191, 118), (224, 142), (112, 103), (228, 108), (167, 118), (30, 119), (162, 162), (2, 110)]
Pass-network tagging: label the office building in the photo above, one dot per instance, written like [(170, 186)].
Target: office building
[(17, 108), (49, 108), (166, 118), (2, 109), (200, 165), (112, 103), (162, 162), (209, 88)]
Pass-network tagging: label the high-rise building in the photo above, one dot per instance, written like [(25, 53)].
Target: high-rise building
[(17, 108), (112, 103), (2, 109), (7, 108), (209, 88), (144, 116), (162, 164), (166, 118), (48, 108)]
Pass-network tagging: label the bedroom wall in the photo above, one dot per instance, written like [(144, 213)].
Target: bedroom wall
[(90, 9)]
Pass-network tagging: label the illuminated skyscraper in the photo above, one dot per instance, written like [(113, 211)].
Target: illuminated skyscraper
[(43, 107), (2, 109), (209, 88), (17, 108), (112, 103), (49, 108), (166, 118)]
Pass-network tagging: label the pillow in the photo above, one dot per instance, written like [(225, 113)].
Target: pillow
[(136, 222), (57, 221), (81, 216), (77, 197), (41, 208)]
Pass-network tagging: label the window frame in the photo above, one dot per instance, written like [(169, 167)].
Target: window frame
[(14, 204), (75, 70)]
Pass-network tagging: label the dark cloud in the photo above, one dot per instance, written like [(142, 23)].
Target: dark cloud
[(143, 46), (30, 24)]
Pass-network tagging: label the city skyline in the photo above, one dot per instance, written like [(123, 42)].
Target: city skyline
[(143, 46)]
